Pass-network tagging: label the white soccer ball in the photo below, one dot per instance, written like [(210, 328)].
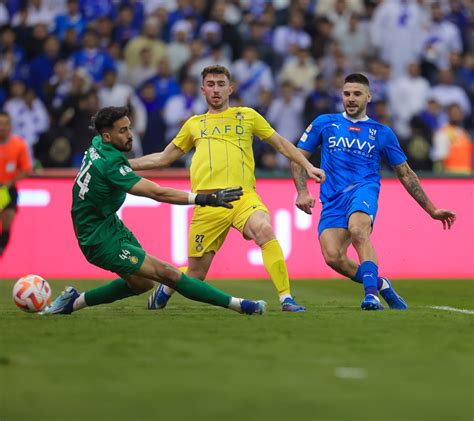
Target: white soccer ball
[(32, 293)]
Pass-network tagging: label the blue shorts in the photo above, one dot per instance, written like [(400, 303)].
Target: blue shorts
[(361, 198)]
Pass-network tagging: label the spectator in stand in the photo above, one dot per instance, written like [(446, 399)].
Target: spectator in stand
[(417, 145), (104, 28), (149, 38), (340, 16), (116, 53), (29, 117), (230, 35), (446, 93), (153, 139), (433, 115), (13, 63), (42, 67), (285, 115), (15, 164), (78, 122), (113, 94), (179, 51), (288, 38), (179, 108), (355, 42), (317, 102), (35, 12), (70, 44), (452, 146), (145, 70), (300, 70), (415, 90), (252, 76), (216, 56), (442, 37), (166, 85), (124, 26), (90, 58), (325, 7), (258, 35), (397, 33), (4, 15), (93, 9), (73, 19), (321, 37)]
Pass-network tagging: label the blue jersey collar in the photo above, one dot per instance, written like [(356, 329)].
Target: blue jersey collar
[(354, 121)]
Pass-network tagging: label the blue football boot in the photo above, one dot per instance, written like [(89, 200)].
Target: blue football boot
[(158, 299), (64, 303), (371, 302), (253, 307), (394, 301), (289, 304)]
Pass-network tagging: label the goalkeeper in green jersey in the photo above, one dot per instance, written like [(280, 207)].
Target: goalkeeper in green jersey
[(99, 191)]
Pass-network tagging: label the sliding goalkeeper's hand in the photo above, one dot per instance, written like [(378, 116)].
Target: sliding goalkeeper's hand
[(220, 197)]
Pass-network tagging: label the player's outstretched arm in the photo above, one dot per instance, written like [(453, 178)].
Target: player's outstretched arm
[(304, 200), (412, 185), (220, 198), (294, 154), (157, 160)]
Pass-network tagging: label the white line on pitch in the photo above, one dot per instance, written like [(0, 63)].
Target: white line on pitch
[(350, 373), (456, 310)]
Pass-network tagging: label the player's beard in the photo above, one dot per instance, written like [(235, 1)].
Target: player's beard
[(358, 113)]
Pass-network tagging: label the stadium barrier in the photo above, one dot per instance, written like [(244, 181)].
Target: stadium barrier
[(409, 243)]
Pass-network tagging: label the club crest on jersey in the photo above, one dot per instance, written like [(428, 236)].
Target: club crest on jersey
[(239, 116), (372, 133)]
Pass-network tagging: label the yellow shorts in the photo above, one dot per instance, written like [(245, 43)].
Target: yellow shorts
[(209, 226)]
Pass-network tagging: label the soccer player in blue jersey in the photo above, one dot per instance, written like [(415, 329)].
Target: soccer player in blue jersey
[(352, 145)]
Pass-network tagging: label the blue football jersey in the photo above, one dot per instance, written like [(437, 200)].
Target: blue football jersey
[(350, 151)]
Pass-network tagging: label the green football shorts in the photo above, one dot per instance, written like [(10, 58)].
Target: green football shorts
[(120, 253)]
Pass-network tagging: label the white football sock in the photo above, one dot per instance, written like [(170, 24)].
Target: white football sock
[(79, 303), (235, 304), (385, 285), (283, 297)]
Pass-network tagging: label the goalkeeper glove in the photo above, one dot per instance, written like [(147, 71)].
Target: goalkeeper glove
[(220, 197)]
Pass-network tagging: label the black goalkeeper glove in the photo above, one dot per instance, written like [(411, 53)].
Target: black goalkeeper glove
[(219, 198)]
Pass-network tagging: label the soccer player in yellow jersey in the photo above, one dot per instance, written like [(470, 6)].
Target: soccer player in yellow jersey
[(223, 141)]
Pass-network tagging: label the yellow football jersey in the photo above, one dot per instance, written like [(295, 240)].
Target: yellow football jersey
[(223, 142)]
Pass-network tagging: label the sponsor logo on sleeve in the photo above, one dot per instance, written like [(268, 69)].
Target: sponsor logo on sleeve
[(124, 170)]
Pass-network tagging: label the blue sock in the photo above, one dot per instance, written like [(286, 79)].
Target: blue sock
[(369, 271), (359, 278)]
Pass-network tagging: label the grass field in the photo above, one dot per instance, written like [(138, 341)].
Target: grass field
[(195, 362)]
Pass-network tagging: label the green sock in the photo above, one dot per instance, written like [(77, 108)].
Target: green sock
[(113, 291), (196, 290)]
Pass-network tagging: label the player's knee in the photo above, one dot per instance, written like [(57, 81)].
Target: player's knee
[(333, 258), (359, 234), (264, 234)]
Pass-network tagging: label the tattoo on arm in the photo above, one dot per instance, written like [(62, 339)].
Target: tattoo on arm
[(299, 176), (412, 185)]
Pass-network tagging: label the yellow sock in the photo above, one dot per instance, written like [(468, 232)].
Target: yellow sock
[(274, 263), (183, 269)]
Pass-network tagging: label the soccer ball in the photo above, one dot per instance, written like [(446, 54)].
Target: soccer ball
[(32, 293)]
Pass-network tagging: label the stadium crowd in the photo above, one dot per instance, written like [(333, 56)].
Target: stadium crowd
[(63, 60)]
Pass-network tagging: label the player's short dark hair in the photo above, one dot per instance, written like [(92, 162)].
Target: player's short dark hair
[(106, 117), (357, 78), (4, 113), (215, 70)]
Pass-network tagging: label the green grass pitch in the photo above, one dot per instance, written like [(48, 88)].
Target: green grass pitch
[(195, 362)]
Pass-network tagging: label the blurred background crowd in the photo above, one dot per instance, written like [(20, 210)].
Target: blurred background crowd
[(62, 60)]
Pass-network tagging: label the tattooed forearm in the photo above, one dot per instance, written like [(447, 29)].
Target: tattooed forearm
[(412, 185), (299, 176)]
